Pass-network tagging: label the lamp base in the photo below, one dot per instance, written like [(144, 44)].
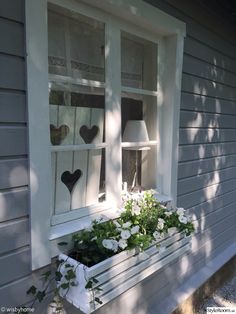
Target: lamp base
[(137, 189)]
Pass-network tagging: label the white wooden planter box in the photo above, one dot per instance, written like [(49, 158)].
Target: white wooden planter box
[(119, 273)]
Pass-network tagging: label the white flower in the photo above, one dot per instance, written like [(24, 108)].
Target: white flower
[(125, 234), (107, 244), (157, 235), (122, 244), (134, 230), (171, 231), (160, 224), (168, 213), (110, 244), (183, 219), (126, 225), (180, 211), (116, 223), (114, 245), (136, 209)]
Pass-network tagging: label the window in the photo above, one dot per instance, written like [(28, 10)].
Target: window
[(103, 98)]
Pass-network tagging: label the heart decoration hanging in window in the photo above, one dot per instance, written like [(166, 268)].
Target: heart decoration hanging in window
[(70, 179), (88, 134), (58, 134)]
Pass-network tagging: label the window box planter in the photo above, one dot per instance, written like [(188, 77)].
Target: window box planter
[(120, 272)]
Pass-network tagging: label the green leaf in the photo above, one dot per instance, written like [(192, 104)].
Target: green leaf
[(68, 266), (70, 274), (46, 275), (89, 285), (40, 295), (32, 290), (65, 285), (58, 275), (98, 300)]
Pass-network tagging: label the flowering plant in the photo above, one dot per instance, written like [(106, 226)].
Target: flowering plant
[(142, 222)]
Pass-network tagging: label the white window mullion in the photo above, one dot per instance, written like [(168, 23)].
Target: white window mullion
[(113, 113)]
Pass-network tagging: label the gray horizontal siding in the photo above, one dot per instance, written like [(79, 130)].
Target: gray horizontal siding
[(12, 108), (14, 235), (209, 193), (198, 136), (14, 173), (200, 151), (13, 43), (15, 264), (202, 86), (188, 185), (207, 104), (12, 72), (194, 119), (13, 10), (14, 207), (13, 203), (198, 167), (14, 139), (193, 65)]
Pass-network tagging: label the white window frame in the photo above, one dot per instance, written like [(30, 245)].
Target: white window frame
[(146, 19)]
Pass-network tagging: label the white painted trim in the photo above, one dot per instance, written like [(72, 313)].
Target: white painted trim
[(170, 61), (79, 213), (66, 148), (70, 227), (76, 81), (113, 113), (38, 117), (138, 144), (118, 15), (138, 91), (141, 13)]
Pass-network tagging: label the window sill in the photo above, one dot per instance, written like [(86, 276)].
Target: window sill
[(67, 228)]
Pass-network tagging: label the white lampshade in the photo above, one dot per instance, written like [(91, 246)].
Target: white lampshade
[(136, 132)]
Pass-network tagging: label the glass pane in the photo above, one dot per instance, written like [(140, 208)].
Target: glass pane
[(139, 125), (78, 179), (56, 44), (87, 49), (76, 114), (76, 46), (138, 62)]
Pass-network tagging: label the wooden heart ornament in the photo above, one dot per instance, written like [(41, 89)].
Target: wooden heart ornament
[(70, 179), (88, 134), (58, 134)]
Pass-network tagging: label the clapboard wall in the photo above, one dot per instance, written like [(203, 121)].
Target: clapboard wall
[(207, 155), (14, 223)]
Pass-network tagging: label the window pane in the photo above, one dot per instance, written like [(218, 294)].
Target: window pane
[(76, 114), (138, 62), (56, 44), (87, 49), (76, 46), (78, 179), (139, 124)]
